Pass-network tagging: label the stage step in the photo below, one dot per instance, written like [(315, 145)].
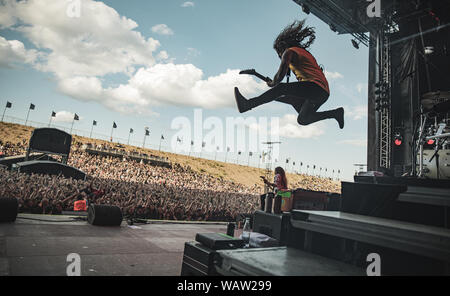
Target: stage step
[(427, 241), (428, 196)]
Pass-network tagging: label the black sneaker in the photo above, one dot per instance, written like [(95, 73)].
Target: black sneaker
[(340, 117), (241, 102)]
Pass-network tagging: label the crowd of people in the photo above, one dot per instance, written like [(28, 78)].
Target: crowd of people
[(139, 189), (10, 149)]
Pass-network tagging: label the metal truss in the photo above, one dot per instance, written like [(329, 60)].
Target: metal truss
[(385, 116)]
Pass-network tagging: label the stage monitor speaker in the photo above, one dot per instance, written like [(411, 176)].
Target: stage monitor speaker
[(104, 215), (50, 140), (8, 209)]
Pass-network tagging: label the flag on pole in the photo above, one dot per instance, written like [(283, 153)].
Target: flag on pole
[(76, 117), (192, 143), (147, 132), (94, 122), (239, 153), (228, 149), (179, 140), (250, 154), (203, 144), (114, 124), (53, 114), (32, 106), (287, 160), (131, 130), (8, 104), (162, 137)]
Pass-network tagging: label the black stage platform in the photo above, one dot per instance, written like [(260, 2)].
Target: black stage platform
[(30, 247)]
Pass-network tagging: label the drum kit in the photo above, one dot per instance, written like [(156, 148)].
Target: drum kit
[(433, 141)]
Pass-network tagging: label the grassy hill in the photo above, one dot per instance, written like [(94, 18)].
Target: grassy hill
[(248, 176)]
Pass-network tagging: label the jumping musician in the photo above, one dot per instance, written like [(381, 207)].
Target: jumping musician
[(310, 92)]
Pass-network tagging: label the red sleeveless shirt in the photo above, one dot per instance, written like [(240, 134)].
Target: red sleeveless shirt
[(307, 69)]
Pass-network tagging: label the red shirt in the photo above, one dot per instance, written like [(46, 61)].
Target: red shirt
[(307, 69), (79, 206), (280, 182)]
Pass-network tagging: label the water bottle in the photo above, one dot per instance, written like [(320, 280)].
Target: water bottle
[(246, 232)]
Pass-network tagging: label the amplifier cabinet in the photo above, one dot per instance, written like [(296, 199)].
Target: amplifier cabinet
[(198, 260)]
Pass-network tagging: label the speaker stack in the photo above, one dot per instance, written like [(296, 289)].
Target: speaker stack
[(8, 209), (104, 215)]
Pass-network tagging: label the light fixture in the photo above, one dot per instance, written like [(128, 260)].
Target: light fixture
[(398, 139), (429, 50)]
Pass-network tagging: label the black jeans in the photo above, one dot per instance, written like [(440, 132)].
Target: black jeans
[(306, 98)]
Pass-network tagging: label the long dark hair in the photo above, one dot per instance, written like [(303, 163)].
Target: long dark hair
[(280, 171), (295, 35)]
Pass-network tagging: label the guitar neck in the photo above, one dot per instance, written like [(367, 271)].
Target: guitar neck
[(266, 79)]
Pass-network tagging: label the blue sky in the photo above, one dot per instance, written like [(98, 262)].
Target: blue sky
[(143, 63)]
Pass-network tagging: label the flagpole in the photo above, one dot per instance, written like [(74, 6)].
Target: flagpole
[(129, 135), (50, 122), (143, 145), (111, 138), (73, 121), (92, 128), (28, 114), (160, 140), (3, 116)]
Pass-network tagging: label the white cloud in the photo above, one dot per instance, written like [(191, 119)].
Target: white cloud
[(162, 29), (65, 116), (362, 87), (333, 75), (188, 4), (162, 55), (7, 18), (99, 42), (164, 84), (184, 85), (357, 143), (80, 52), (289, 128), (13, 52), (356, 112), (193, 52)]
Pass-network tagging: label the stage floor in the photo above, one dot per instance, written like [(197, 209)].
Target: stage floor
[(37, 248)]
